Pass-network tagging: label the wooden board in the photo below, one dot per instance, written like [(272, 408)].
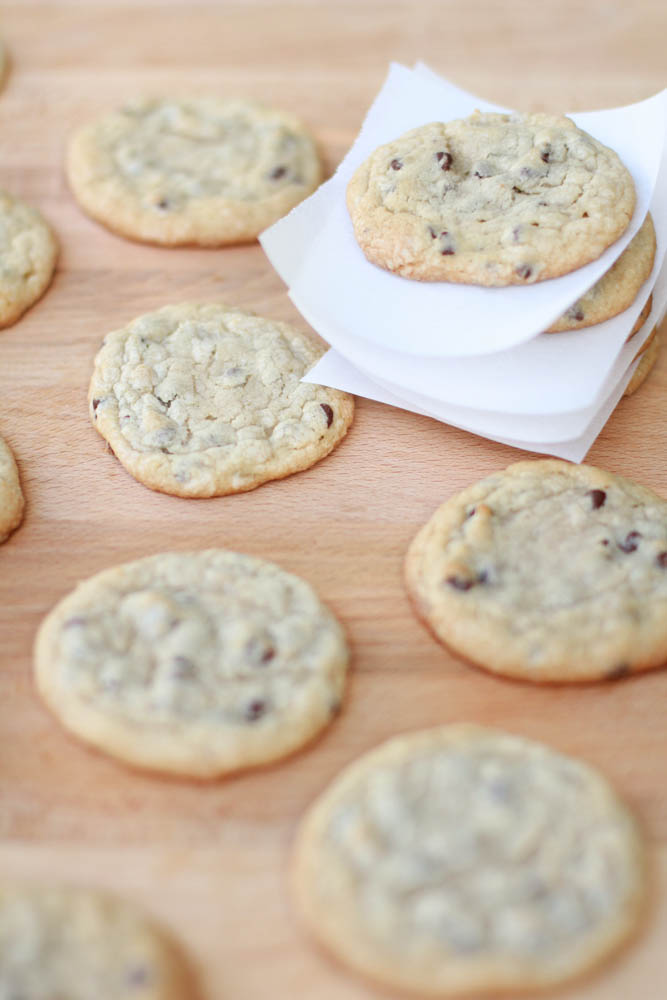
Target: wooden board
[(211, 860)]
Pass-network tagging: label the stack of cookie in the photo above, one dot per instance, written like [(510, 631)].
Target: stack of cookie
[(505, 226)]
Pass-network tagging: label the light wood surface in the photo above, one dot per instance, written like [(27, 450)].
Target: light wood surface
[(211, 860)]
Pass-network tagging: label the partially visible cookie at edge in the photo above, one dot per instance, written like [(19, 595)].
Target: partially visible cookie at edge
[(82, 943), (201, 171), (648, 355), (28, 250), (464, 861), (202, 400), (547, 571), (617, 289), (493, 199), (195, 664), (11, 495)]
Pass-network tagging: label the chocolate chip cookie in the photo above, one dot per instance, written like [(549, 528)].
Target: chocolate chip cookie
[(204, 400), (493, 199), (617, 289), (28, 252), (11, 496), (202, 171), (464, 860), (79, 944), (547, 571), (194, 664), (648, 356)]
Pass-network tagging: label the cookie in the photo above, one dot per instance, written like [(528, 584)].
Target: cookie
[(641, 319), (547, 571), (648, 356), (492, 199), (28, 251), (463, 860), (11, 496), (617, 289), (201, 171), (79, 944), (205, 400), (193, 664)]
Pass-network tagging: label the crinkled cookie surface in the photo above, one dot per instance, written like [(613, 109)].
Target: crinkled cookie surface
[(205, 400)]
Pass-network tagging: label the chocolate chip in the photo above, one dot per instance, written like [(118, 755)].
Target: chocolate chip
[(545, 154), (328, 412), (140, 975), (616, 673), (395, 164), (255, 710), (448, 251), (162, 204), (165, 402), (584, 215), (465, 583), (605, 541), (630, 544), (598, 498), (183, 667), (277, 173), (432, 232), (445, 160), (524, 271), (516, 232), (661, 559), (96, 403), (470, 513), (575, 314)]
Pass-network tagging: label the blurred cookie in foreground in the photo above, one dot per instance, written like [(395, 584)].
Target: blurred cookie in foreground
[(11, 495), (81, 944), (193, 663), (28, 251), (467, 861), (547, 571), (202, 171), (202, 400), (492, 199)]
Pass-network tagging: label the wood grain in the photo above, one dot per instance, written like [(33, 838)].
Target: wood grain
[(211, 860)]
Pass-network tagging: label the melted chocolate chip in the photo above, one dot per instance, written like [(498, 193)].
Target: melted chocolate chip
[(605, 541), (268, 655), (524, 271), (165, 402), (328, 412), (575, 314), (162, 204), (465, 583), (615, 674), (277, 173), (448, 251), (545, 154), (630, 544), (395, 164), (471, 513), (661, 559), (432, 232), (96, 403), (255, 710), (598, 498), (445, 160), (584, 215)]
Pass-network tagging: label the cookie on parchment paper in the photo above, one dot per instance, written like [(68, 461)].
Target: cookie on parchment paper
[(194, 664), (648, 355), (617, 289), (492, 199), (11, 495), (202, 171), (547, 571), (81, 944), (28, 251), (204, 400), (464, 861)]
